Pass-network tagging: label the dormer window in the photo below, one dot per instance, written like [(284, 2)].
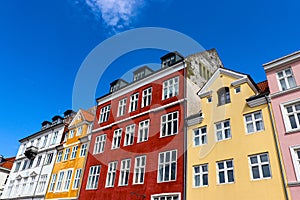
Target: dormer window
[(170, 59), (117, 84), (223, 96), (141, 73)]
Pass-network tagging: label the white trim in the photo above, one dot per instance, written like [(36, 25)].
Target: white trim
[(166, 194), (284, 92), (138, 115), (257, 102), (158, 165), (282, 61), (284, 115), (294, 157), (149, 79)]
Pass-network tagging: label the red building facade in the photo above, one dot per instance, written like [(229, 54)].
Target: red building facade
[(137, 144)]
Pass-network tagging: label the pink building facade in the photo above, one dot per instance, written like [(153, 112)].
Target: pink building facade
[(283, 76)]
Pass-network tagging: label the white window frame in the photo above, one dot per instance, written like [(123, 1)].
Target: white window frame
[(296, 160), (52, 183), (104, 114), (259, 164), (200, 175), (146, 97), (134, 102), (200, 135), (129, 135), (74, 152), (122, 107), (55, 136), (93, 177), (49, 158), (286, 115), (237, 90), (77, 178), (71, 135), (67, 181), (59, 156), (170, 88), (164, 196), (139, 169), (124, 172), (254, 122), (117, 137), (42, 183), (162, 165), (222, 131), (60, 179), (285, 79), (226, 170), (111, 174), (164, 122), (100, 142), (66, 154), (143, 132), (79, 131), (83, 150)]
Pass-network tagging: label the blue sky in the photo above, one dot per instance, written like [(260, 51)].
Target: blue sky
[(43, 43)]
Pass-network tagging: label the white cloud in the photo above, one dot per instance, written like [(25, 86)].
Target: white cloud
[(116, 14)]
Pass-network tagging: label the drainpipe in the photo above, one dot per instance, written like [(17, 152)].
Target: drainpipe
[(184, 131), (277, 148)]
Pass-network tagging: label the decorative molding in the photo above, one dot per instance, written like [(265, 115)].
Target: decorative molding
[(205, 94), (285, 60), (194, 119), (257, 102), (284, 92)]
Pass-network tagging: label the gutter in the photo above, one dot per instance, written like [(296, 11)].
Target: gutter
[(277, 149)]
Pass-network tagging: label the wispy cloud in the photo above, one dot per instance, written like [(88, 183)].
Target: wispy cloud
[(116, 14)]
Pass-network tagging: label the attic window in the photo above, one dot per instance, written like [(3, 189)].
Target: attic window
[(237, 90), (223, 96)]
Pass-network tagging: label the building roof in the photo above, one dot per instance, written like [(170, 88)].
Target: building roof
[(87, 115), (8, 163), (263, 86)]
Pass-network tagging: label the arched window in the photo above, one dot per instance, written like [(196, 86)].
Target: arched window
[(223, 96)]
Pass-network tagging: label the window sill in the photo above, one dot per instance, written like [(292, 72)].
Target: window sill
[(294, 184), (260, 179), (167, 135), (292, 131), (220, 184)]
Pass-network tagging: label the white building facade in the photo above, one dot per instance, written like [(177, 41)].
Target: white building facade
[(34, 162)]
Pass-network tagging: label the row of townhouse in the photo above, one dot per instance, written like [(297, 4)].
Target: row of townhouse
[(189, 130)]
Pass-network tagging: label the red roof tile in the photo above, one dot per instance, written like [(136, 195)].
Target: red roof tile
[(8, 163), (263, 86)]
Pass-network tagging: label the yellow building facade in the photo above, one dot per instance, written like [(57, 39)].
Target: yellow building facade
[(231, 152), (69, 165)]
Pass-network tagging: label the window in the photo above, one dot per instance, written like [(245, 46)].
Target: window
[(237, 89), (124, 172), (169, 124), (129, 135), (167, 165), (45, 140), (147, 97), (77, 179), (286, 79), (74, 152), (139, 170), (170, 88), (59, 156), (166, 197), (24, 186), (104, 114), (292, 116), (30, 163), (223, 130), (122, 107), (24, 164), (200, 173), (200, 136), (71, 134), (18, 164), (79, 131), (143, 131), (68, 179), (49, 158), (99, 144), (59, 181), (111, 174), (134, 102), (54, 137), (42, 183), (31, 183), (209, 99), (66, 136), (260, 166), (225, 171), (38, 162), (52, 183), (66, 156), (254, 122), (117, 139), (223, 96), (83, 150), (38, 141), (93, 177)]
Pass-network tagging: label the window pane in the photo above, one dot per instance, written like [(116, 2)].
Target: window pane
[(291, 81), (205, 179), (293, 121), (230, 176), (221, 177), (266, 171), (255, 172), (253, 160), (250, 128)]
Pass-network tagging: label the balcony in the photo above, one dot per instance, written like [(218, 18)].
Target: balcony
[(31, 152)]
